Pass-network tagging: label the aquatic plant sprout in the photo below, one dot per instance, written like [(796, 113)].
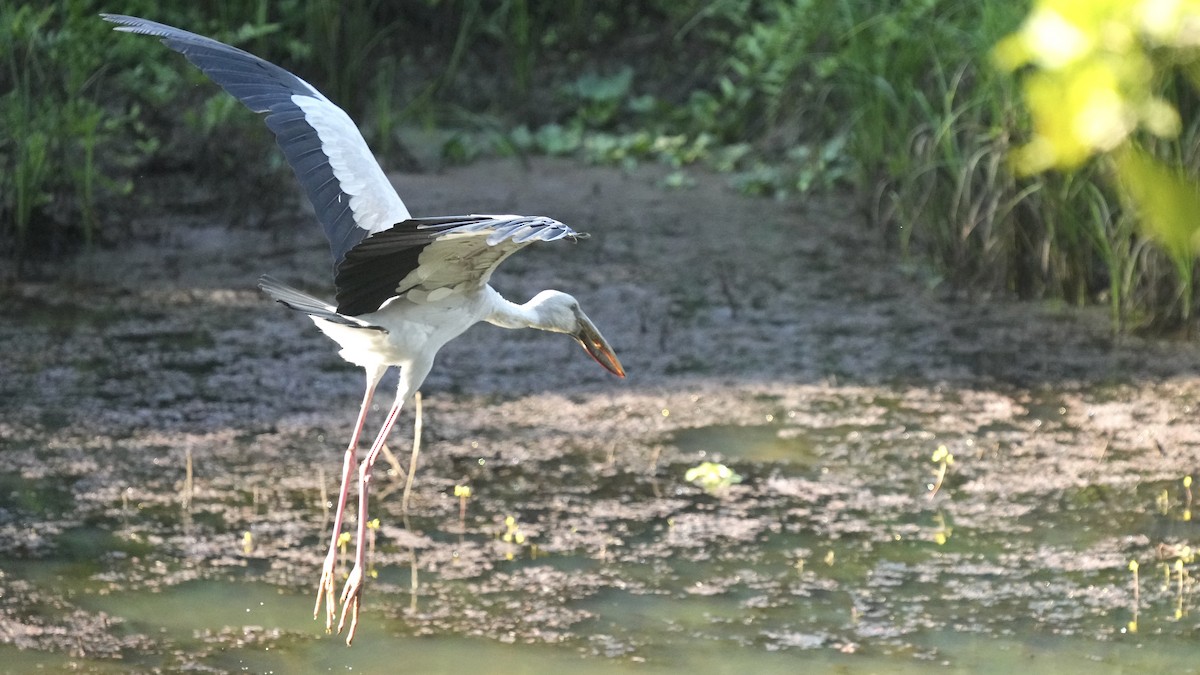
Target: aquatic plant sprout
[(512, 531), (712, 477), (1132, 626), (463, 493), (512, 535), (943, 458), (1187, 501)]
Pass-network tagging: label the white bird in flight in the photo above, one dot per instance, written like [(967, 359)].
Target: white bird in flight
[(405, 286)]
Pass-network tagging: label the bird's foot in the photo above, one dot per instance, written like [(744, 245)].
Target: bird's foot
[(351, 599), (325, 590)]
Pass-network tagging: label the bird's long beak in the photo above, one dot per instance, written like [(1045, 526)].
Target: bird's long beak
[(596, 346)]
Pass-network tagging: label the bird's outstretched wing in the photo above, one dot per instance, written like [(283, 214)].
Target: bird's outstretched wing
[(350, 193), (429, 259)]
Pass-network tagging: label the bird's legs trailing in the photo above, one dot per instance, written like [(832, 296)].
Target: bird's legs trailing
[(352, 592), (410, 377), (325, 588)]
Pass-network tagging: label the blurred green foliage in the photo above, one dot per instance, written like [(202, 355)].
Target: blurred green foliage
[(897, 104), (51, 121), (1104, 81)]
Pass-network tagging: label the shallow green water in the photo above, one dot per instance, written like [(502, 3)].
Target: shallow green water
[(830, 556), (253, 627)]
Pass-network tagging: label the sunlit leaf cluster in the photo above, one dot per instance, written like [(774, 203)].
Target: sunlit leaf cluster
[(1095, 67)]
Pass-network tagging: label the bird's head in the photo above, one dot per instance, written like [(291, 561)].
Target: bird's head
[(560, 312)]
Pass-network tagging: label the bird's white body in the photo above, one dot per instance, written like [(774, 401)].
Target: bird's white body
[(411, 332)]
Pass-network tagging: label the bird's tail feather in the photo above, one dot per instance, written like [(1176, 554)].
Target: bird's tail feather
[(303, 302)]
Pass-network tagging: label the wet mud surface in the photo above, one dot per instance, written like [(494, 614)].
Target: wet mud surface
[(775, 337)]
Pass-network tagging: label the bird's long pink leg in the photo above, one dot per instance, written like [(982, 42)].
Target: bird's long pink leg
[(352, 592), (325, 588)]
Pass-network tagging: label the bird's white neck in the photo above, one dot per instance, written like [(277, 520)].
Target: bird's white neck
[(537, 313)]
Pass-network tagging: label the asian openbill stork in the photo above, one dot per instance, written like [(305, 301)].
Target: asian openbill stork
[(405, 286)]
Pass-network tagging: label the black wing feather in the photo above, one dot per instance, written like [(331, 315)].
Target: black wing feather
[(373, 270), (368, 276)]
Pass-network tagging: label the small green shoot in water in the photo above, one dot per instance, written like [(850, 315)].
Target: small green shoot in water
[(463, 492), (1132, 626), (372, 528), (1163, 502), (512, 535), (943, 458), (1182, 575), (343, 541), (942, 534), (1187, 498), (1183, 555), (712, 477)]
